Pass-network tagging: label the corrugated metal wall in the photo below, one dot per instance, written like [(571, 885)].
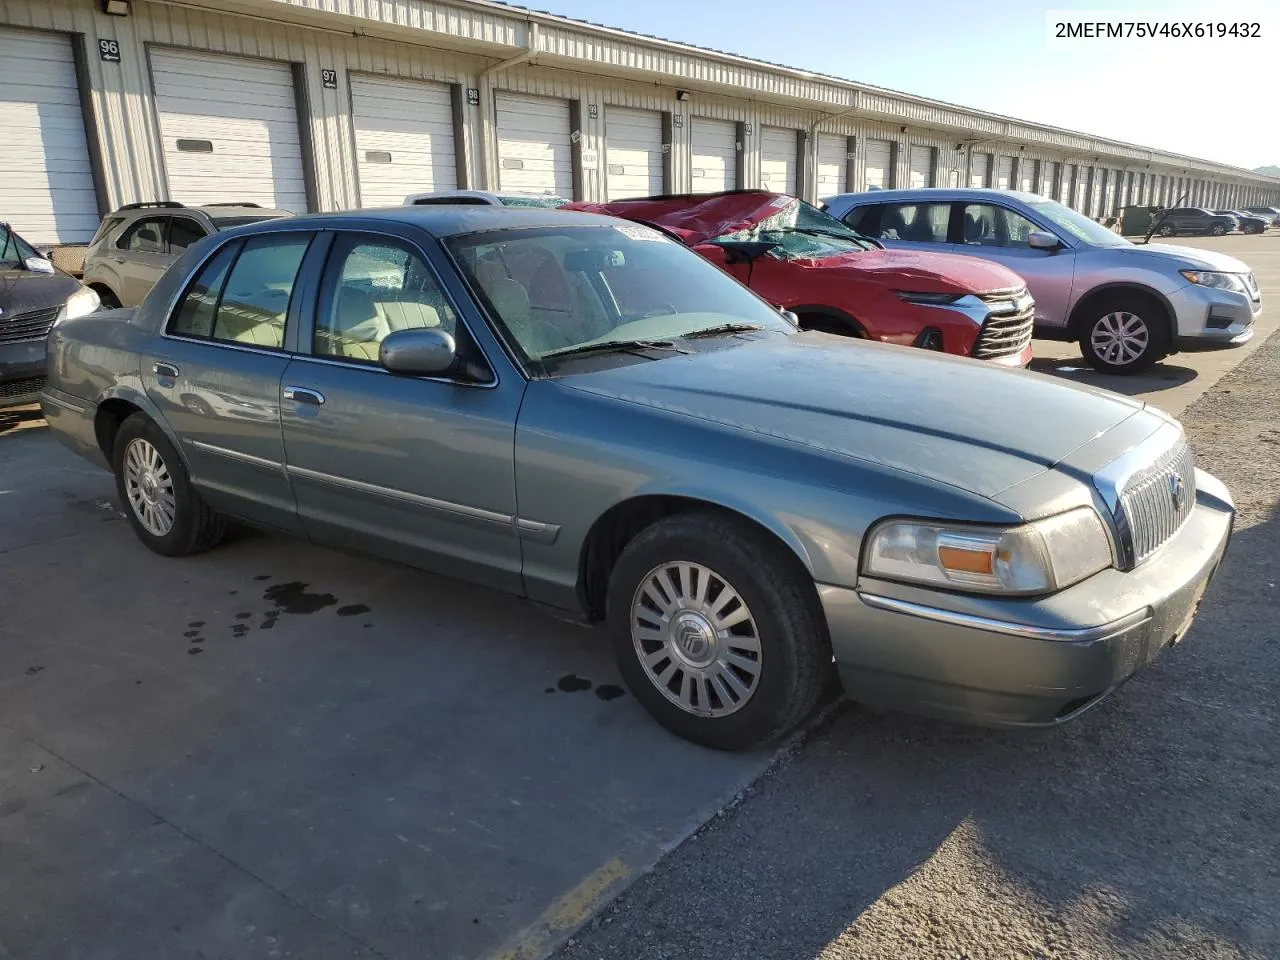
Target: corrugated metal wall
[(128, 135)]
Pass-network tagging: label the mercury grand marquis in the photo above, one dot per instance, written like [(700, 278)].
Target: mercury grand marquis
[(581, 411)]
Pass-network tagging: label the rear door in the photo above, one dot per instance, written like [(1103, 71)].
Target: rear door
[(417, 469), (215, 374), (141, 256)]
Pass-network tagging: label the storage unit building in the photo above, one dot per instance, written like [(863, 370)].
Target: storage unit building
[(535, 150), (633, 153), (229, 129), (46, 182), (404, 138)]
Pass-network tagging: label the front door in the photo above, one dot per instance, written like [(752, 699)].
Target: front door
[(215, 375), (994, 232), (417, 469)]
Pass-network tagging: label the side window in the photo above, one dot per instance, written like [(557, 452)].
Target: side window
[(255, 298), (183, 232), (194, 317), (915, 222), (991, 226), (145, 236), (104, 228), (865, 220), (373, 287)]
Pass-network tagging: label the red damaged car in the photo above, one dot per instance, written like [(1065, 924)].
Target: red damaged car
[(835, 280)]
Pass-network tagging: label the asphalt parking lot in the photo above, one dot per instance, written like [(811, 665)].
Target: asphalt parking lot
[(276, 750)]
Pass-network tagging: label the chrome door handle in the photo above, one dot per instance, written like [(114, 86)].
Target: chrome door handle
[(162, 369), (304, 395)]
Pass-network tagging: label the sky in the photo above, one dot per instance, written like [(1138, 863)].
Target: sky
[(1217, 100)]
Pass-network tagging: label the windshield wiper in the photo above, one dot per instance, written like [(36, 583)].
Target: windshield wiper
[(723, 328), (614, 346)]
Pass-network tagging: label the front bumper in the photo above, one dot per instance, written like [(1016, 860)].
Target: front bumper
[(1024, 662), (22, 371), (1208, 318)]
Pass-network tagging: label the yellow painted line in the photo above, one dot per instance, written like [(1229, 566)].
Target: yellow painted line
[(567, 913)]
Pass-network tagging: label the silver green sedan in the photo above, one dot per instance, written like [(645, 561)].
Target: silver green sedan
[(581, 411)]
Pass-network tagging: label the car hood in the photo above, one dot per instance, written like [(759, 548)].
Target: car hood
[(924, 272), (1191, 258), (696, 219), (962, 422), (22, 291)]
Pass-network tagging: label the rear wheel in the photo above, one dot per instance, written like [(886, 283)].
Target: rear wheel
[(717, 630), (166, 512), (1124, 334), (1218, 229), (1166, 230)]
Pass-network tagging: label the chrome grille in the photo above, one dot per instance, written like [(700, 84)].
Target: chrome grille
[(27, 326), (1010, 323), (1155, 502)]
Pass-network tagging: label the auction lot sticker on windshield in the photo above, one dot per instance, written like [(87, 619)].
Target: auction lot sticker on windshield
[(636, 231)]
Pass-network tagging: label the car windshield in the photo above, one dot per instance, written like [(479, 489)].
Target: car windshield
[(557, 289), (1079, 226), (226, 223), (13, 249), (802, 232), (539, 202)]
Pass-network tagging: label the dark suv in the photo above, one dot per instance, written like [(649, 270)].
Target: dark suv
[(135, 245), (1195, 220)]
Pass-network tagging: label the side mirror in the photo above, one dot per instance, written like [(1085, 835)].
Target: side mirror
[(791, 318), (39, 265), (420, 351), (1042, 240)]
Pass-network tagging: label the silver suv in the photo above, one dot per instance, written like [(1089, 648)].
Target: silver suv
[(1129, 305), (135, 245)]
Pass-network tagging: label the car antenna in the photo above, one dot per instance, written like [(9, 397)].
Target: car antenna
[(1160, 219)]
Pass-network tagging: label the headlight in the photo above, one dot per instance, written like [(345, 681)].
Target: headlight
[(1038, 557), (1209, 278), (83, 301)]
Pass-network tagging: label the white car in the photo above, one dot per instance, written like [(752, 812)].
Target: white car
[(499, 199)]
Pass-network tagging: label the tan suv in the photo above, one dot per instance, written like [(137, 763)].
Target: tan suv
[(135, 245)]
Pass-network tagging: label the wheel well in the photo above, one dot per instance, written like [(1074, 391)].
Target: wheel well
[(1095, 298), (620, 524), (828, 320), (101, 288), (106, 423)]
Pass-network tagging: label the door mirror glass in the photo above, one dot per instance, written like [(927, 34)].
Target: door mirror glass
[(1043, 240), (420, 351), (38, 265)]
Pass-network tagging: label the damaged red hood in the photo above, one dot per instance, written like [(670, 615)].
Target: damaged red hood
[(695, 219)]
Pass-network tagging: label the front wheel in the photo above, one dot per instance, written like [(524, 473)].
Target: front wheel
[(166, 512), (1125, 335), (1167, 230), (1218, 229), (717, 630)]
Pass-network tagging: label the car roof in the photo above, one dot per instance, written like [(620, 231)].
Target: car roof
[(484, 194), (223, 211), (442, 221), (937, 194)]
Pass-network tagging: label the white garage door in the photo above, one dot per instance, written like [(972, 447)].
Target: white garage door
[(979, 165), (1004, 173), (46, 187), (833, 164), (535, 154), (714, 162), (230, 130), (404, 138), (1065, 184), (633, 153), (1050, 170), (920, 172), (778, 159), (877, 169), (1027, 174)]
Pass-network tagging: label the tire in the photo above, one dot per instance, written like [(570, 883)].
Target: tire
[(1217, 230), (1143, 329), (1167, 230), (776, 611), (146, 467)]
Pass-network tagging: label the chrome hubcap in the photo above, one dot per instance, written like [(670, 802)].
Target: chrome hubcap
[(1120, 338), (149, 487), (696, 639)]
